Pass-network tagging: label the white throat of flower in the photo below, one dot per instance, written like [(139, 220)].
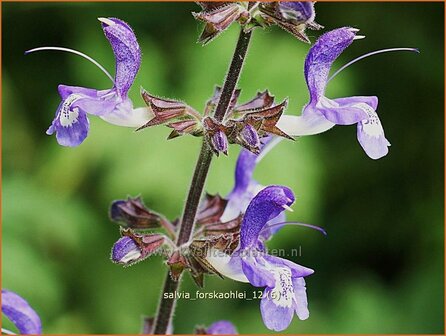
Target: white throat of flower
[(225, 265), (371, 126), (68, 116), (283, 293)]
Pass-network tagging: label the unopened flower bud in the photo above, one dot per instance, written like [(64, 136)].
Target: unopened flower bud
[(133, 247), (297, 11), (219, 142), (250, 136), (125, 251), (293, 16)]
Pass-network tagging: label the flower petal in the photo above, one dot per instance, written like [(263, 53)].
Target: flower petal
[(244, 169), (221, 328), (321, 57), (245, 187), (308, 124), (20, 313), (296, 269), (371, 136), (345, 111), (266, 205), (127, 52), (228, 266), (369, 100), (108, 105), (301, 302), (70, 124), (125, 115), (268, 232), (274, 316), (255, 270), (91, 101)]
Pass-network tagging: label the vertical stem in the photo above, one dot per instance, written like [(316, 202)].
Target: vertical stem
[(194, 196), (233, 75), (167, 305)]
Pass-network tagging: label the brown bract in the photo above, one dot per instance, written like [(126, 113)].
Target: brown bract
[(210, 233), (132, 213), (259, 113), (218, 16), (176, 114), (272, 13)]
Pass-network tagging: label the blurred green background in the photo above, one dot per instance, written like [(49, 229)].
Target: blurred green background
[(380, 270)]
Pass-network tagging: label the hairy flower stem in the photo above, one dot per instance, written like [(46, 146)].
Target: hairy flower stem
[(167, 305)]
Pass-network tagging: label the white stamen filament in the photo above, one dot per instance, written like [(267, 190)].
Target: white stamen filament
[(7, 332), (76, 53), (371, 54)]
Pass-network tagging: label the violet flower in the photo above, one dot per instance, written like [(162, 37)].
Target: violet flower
[(285, 292), (245, 187), (71, 123), (322, 113), (221, 328), (20, 313)]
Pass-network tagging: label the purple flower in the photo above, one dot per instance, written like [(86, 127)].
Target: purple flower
[(71, 123), (322, 113), (285, 292), (20, 313), (245, 187), (221, 328)]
